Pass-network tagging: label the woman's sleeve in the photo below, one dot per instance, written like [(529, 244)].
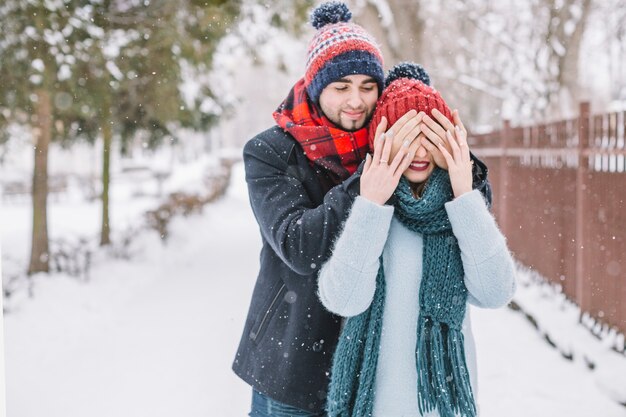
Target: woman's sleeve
[(487, 262), (347, 281)]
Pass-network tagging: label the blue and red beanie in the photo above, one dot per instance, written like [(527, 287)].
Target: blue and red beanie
[(338, 49)]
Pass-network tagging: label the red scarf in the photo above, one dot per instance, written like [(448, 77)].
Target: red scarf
[(338, 152)]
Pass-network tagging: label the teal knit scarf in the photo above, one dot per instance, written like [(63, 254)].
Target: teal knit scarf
[(443, 381)]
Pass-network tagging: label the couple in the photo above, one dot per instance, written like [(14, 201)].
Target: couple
[(368, 261)]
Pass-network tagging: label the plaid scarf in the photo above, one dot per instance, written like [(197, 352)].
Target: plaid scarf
[(336, 151)]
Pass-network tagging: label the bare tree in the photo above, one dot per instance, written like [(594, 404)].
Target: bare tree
[(39, 258), (565, 26)]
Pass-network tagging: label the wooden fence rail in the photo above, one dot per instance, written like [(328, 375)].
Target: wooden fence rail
[(560, 198)]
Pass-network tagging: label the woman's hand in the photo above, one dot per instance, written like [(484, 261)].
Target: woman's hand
[(458, 161), (380, 176), (405, 130), (435, 132)]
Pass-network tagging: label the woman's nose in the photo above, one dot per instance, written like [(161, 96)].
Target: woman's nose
[(421, 152)]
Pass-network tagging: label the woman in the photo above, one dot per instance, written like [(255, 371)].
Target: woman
[(418, 245)]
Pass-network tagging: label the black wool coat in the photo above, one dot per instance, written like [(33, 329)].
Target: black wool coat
[(289, 338)]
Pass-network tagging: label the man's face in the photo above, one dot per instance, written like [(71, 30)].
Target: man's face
[(349, 102)]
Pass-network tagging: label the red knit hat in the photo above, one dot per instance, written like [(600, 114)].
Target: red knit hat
[(406, 90)]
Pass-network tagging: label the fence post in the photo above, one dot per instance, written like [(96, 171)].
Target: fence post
[(503, 185), (582, 174)]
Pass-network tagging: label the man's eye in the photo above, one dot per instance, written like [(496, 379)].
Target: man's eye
[(367, 88), (341, 88)]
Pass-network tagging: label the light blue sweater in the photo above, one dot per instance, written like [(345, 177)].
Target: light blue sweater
[(348, 279)]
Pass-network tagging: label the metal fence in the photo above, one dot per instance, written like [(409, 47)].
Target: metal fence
[(560, 198)]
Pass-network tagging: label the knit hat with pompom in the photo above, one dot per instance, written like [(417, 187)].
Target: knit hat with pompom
[(407, 88), (339, 49)]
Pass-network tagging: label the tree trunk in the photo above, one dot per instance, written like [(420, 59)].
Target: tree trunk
[(568, 63), (39, 255), (107, 134), (566, 29), (410, 29)]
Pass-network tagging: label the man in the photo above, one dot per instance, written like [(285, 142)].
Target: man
[(302, 178)]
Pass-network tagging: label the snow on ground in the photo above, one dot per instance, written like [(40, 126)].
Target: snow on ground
[(150, 337), (2, 370), (558, 319), (156, 335), (519, 374)]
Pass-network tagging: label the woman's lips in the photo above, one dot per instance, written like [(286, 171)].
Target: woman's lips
[(419, 165)]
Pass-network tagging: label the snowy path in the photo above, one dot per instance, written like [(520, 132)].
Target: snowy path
[(156, 337)]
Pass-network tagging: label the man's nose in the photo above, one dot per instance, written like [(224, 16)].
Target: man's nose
[(355, 100)]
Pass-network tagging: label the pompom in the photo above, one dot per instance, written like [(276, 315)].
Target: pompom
[(330, 12), (407, 70)]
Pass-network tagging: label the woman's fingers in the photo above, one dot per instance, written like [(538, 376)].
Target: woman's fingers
[(400, 155), (406, 160), (456, 151), (435, 138), (368, 163), (435, 127), (382, 126), (406, 130), (378, 147), (442, 120), (458, 122), (462, 140), (428, 145), (404, 119), (446, 155), (434, 151), (386, 151), (379, 179), (379, 139)]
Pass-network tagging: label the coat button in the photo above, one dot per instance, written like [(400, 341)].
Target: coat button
[(317, 346)]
